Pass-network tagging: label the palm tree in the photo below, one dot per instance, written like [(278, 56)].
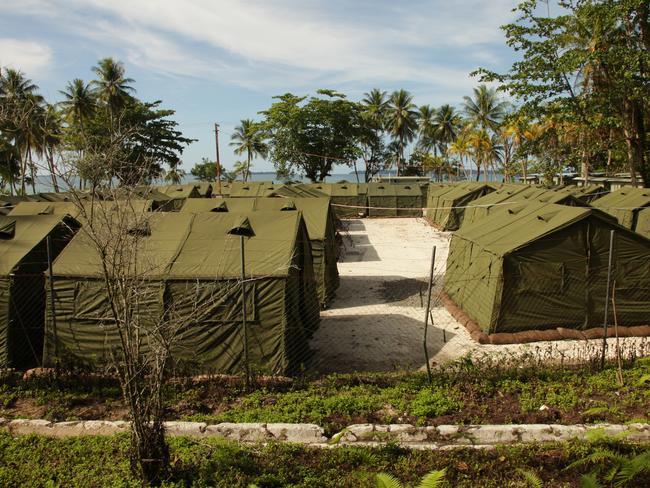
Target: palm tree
[(21, 105), (13, 84), (375, 105), (51, 133), (485, 111), (79, 103), (248, 138), (461, 148), (486, 151), (111, 86), (401, 120), (174, 175), (448, 124), (427, 129)]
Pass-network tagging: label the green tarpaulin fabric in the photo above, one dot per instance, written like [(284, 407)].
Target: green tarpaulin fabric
[(348, 199), (23, 259), (643, 222), (318, 217), (544, 266), (394, 200), (180, 191), (625, 204), (191, 267), (446, 208)]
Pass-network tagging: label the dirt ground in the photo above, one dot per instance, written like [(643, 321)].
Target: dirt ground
[(376, 321)]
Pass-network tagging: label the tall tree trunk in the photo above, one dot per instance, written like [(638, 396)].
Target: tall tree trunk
[(31, 171), (635, 140), (50, 164), (584, 167)]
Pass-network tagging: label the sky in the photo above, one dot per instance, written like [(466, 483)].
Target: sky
[(223, 60)]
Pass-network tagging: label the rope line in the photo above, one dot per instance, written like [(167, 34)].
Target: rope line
[(423, 208)]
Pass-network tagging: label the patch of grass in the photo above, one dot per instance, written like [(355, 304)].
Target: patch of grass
[(466, 391), (101, 461)]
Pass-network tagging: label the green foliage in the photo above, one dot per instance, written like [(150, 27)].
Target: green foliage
[(311, 134), (583, 74), (434, 403), (531, 478)]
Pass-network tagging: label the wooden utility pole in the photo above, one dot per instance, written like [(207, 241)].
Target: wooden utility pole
[(218, 165)]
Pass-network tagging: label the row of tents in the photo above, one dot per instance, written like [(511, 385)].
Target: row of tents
[(192, 267), (529, 263)]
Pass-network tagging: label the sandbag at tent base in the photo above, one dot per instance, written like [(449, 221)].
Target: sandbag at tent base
[(556, 334)]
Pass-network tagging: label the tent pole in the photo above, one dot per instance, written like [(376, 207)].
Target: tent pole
[(609, 278), (243, 307), (426, 316)]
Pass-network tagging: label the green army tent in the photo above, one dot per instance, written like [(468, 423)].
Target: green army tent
[(394, 200), (588, 193), (348, 199), (521, 270), (436, 191), (204, 188), (190, 268), (504, 196), (625, 204), (252, 189), (449, 209), (507, 198), (181, 191), (318, 217), (23, 260), (643, 222), (82, 211)]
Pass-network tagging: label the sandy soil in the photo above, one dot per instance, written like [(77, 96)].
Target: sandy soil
[(376, 321)]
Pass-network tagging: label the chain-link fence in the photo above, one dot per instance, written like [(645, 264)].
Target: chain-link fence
[(374, 322)]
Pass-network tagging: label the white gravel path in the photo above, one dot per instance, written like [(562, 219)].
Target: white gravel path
[(376, 321)]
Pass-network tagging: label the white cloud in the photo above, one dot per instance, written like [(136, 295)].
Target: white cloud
[(271, 43), (30, 57)]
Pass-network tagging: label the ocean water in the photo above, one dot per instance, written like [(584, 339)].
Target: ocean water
[(44, 182)]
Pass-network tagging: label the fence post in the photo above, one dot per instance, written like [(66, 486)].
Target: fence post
[(50, 275), (247, 368), (609, 278), (426, 316)]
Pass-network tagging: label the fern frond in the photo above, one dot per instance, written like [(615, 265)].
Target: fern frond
[(385, 480), (597, 457), (433, 479), (590, 481), (634, 467), (531, 477)]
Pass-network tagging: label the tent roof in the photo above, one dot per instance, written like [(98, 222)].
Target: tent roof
[(338, 189), (198, 246), (624, 199), (394, 189), (28, 231), (316, 211), (180, 191), (643, 223), (511, 229), (252, 188), (45, 208)]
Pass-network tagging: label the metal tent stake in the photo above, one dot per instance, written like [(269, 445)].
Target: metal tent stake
[(426, 316)]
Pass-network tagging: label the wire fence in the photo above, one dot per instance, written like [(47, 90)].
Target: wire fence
[(277, 325)]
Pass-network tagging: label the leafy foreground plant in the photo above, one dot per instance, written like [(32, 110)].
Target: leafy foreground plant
[(610, 466), (431, 480)]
